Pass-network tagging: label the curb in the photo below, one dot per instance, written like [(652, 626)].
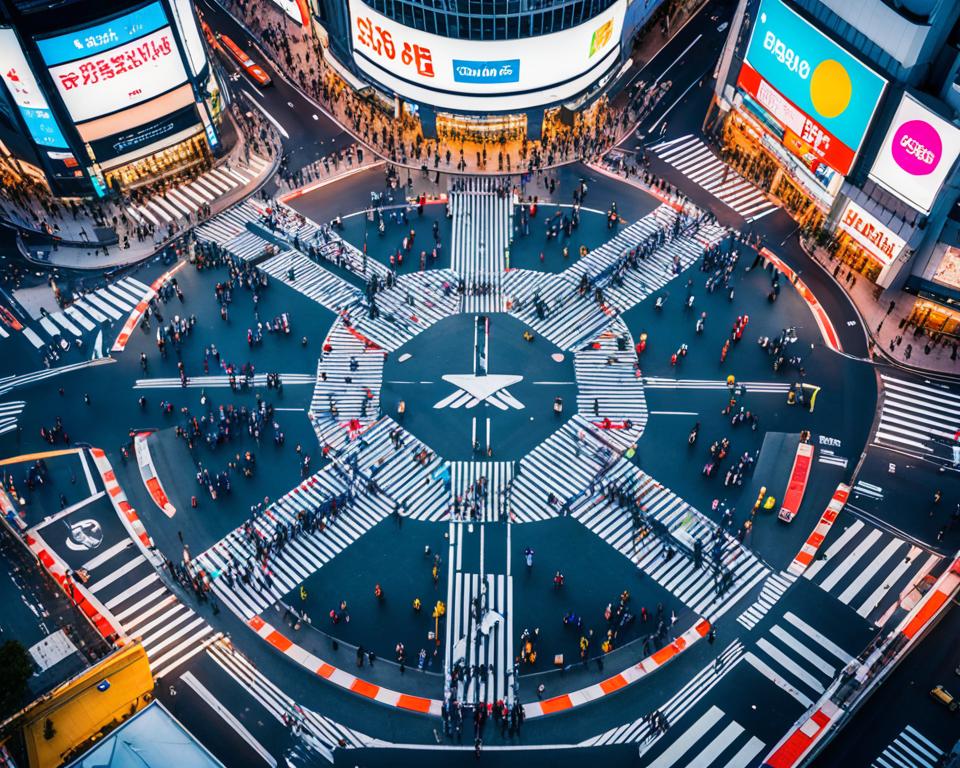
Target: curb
[(93, 609), (135, 316), (629, 676), (128, 515), (809, 549), (149, 474)]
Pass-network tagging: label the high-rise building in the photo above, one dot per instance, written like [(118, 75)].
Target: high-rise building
[(100, 96), (845, 111)]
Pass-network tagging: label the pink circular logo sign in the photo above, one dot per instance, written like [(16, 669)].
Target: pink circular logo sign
[(917, 147)]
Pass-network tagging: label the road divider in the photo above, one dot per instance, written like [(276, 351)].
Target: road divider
[(138, 311), (809, 549), (149, 474), (128, 515)]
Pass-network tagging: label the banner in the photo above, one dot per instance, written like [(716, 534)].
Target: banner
[(917, 153)]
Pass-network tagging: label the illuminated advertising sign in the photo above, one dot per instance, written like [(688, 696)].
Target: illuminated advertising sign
[(102, 36), (26, 93), (917, 153), (836, 91), (121, 77), (878, 240), (145, 135), (458, 74), (189, 34)]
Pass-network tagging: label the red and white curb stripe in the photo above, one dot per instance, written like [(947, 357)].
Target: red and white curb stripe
[(94, 610), (794, 748), (809, 550), (338, 677), (137, 314), (827, 330), (149, 475), (613, 684), (128, 515)]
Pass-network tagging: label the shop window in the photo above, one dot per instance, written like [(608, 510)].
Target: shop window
[(948, 270)]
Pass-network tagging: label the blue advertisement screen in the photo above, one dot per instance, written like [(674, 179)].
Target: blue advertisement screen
[(821, 79), (43, 127), (103, 36), (503, 71)]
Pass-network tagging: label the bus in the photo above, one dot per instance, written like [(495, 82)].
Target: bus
[(253, 70)]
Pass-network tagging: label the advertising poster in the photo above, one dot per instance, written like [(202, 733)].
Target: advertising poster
[(822, 97), (917, 153), (26, 94)]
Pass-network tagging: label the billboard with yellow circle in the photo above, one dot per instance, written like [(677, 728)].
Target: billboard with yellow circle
[(817, 75)]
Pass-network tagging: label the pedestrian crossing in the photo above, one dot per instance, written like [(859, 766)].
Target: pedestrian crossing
[(681, 703), (232, 223), (555, 307), (214, 382), (294, 269), (911, 749), (8, 383), (482, 226), (610, 387), (478, 489), (348, 381), (917, 417), (714, 739), (669, 520), (128, 585), (480, 626), (797, 658), (752, 387), (302, 555), (87, 314), (278, 703), (561, 466), (405, 470), (695, 160), (415, 303), (176, 203), (773, 588), (9, 413), (869, 569)]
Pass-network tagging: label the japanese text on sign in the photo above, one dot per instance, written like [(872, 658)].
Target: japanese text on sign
[(92, 71), (380, 41)]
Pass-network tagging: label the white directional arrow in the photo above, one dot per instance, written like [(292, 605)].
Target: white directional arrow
[(480, 389)]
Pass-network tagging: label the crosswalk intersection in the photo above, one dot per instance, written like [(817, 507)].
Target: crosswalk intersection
[(917, 417), (302, 555), (911, 749), (571, 319), (695, 160), (129, 587), (307, 277), (869, 569), (610, 386), (88, 314), (797, 658), (177, 203), (775, 585), (681, 703), (8, 415), (482, 230), (694, 586)]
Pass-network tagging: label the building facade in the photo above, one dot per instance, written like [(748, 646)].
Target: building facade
[(94, 102), (483, 69), (846, 111)]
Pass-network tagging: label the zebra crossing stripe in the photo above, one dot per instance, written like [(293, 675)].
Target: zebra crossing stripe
[(258, 380), (816, 538), (773, 589), (911, 749)]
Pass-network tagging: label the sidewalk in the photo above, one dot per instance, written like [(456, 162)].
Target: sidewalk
[(890, 337), (399, 141), (84, 244)]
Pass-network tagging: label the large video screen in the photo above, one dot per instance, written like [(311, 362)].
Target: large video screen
[(114, 64), (26, 93), (824, 95), (447, 72)]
